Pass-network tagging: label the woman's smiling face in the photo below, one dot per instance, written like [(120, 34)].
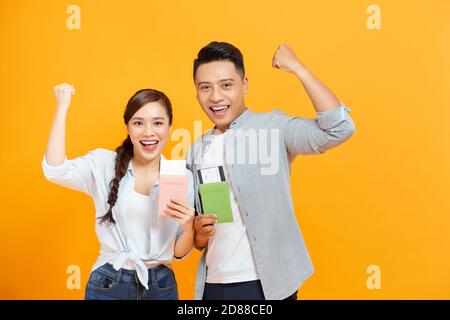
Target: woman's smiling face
[(149, 130)]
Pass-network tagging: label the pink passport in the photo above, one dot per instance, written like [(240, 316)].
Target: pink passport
[(171, 187)]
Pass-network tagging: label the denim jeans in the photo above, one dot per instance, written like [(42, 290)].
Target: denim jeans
[(106, 283)]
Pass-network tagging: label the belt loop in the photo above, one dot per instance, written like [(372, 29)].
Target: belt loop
[(153, 275), (119, 275), (136, 279)]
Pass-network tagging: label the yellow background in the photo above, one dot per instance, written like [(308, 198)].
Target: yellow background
[(380, 199)]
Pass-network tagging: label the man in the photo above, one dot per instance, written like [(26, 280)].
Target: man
[(261, 253)]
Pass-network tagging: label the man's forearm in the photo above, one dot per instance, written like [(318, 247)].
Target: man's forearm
[(200, 242), (321, 97)]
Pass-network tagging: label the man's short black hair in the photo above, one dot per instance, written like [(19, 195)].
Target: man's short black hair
[(220, 51)]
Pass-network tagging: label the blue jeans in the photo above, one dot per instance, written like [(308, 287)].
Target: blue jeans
[(106, 283)]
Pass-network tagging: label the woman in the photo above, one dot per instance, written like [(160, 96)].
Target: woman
[(137, 244)]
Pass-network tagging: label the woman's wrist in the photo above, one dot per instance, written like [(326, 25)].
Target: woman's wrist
[(62, 110), (189, 231)]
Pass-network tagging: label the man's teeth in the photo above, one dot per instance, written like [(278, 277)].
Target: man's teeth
[(219, 108)]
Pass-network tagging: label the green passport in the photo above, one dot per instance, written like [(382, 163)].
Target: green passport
[(215, 198)]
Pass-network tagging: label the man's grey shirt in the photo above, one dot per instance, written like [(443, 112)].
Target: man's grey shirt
[(262, 188)]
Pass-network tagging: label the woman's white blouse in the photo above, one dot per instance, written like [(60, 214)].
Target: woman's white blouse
[(128, 243)]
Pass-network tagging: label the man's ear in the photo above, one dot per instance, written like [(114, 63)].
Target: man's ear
[(245, 85), (196, 91)]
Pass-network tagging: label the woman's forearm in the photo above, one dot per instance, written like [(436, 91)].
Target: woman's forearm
[(56, 146), (184, 244)]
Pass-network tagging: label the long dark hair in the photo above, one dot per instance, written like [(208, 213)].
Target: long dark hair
[(125, 151)]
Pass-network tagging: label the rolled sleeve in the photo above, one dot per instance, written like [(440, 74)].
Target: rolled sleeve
[(332, 118), (180, 232), (187, 255), (77, 174), (312, 136), (53, 172)]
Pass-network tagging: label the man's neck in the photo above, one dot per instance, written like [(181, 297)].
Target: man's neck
[(225, 128)]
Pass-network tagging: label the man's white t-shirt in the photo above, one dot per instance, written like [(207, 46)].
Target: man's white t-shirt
[(229, 258)]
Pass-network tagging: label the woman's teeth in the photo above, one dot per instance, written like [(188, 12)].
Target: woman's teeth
[(149, 145)]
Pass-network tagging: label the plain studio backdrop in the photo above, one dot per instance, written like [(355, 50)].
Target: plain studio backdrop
[(374, 212)]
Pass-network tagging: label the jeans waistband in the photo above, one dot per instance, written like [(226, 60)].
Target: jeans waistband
[(126, 274)]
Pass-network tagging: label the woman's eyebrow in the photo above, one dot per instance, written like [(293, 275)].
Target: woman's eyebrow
[(155, 118)]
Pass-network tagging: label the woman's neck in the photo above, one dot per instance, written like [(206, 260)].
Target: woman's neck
[(146, 165)]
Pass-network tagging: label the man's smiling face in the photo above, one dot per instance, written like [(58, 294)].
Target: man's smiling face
[(220, 92)]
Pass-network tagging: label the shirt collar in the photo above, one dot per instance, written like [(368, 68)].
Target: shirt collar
[(236, 122), (241, 118), (208, 135)]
